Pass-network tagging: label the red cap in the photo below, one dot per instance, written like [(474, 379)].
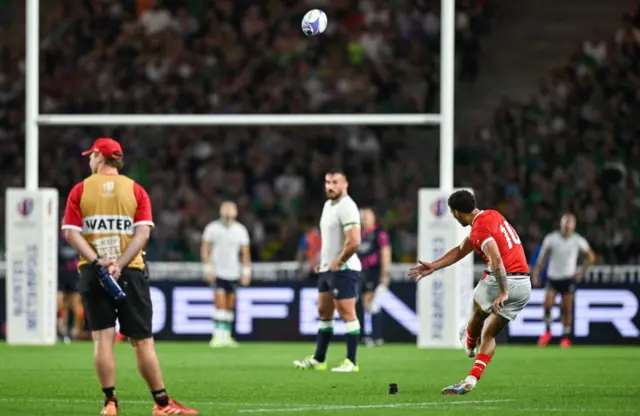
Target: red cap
[(106, 147)]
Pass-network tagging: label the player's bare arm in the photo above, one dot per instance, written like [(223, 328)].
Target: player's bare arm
[(492, 252), (245, 279), (351, 245), (137, 243), (542, 260), (590, 260), (452, 256), (385, 263), (205, 257)]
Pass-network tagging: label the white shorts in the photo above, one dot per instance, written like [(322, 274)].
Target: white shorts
[(486, 292)]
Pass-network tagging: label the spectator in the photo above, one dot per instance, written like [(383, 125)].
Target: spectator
[(233, 57)]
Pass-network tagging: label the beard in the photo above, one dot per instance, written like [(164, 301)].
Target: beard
[(333, 195)]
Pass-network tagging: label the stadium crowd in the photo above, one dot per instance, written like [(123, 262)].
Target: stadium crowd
[(117, 56), (570, 147)]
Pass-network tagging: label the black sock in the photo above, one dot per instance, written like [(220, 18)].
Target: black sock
[(376, 326), (160, 397), (110, 394), (352, 346), (325, 332)]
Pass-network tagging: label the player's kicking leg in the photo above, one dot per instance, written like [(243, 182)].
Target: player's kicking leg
[(484, 294), (494, 324), (470, 333)]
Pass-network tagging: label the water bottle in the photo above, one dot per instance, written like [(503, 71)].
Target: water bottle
[(111, 285)]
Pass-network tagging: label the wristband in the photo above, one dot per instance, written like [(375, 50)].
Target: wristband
[(246, 271)]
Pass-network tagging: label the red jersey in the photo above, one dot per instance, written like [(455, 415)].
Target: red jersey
[(106, 209), (490, 225)]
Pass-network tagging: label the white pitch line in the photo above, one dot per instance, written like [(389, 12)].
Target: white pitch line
[(572, 409), (133, 402), (368, 406)]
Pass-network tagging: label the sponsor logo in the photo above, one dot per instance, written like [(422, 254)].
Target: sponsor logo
[(192, 310), (439, 207), (108, 188), (25, 207), (108, 224)]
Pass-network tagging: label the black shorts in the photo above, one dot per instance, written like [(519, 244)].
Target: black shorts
[(342, 284), (134, 312), (227, 286), (68, 282), (562, 286), (369, 280)]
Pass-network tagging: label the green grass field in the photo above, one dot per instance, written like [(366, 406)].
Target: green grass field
[(260, 379)]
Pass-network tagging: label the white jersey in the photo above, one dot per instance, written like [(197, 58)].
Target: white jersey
[(336, 216), (563, 254), (226, 243)]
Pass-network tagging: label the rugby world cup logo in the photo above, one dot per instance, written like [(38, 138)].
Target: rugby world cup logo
[(439, 207), (25, 207)]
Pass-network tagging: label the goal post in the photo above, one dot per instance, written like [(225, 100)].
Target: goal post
[(33, 120)]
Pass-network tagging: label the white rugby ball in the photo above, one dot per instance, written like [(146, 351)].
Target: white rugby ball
[(314, 22)]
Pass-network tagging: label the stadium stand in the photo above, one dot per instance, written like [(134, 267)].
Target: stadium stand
[(118, 56), (570, 147)]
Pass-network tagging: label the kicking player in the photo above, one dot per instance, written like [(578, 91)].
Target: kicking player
[(562, 249), (338, 273), (223, 241), (504, 289), (375, 256), (69, 301)]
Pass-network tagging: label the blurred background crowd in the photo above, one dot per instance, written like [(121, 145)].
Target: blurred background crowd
[(571, 147)]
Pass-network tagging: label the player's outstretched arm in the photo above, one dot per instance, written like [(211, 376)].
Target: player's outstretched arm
[(492, 252), (452, 256)]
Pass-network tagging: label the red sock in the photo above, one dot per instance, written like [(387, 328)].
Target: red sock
[(471, 342), (482, 360)]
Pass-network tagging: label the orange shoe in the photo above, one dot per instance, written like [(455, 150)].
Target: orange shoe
[(110, 408), (173, 408), (544, 339), (565, 343)]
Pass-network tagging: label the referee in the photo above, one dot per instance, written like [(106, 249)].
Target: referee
[(562, 248), (108, 221)]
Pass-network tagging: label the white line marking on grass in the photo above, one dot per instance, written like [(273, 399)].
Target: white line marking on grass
[(568, 409), (369, 406), (129, 402)]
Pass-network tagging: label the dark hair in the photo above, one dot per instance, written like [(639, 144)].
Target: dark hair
[(113, 162), (462, 201), (336, 171)]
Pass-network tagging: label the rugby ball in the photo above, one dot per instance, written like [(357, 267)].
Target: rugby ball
[(314, 22)]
